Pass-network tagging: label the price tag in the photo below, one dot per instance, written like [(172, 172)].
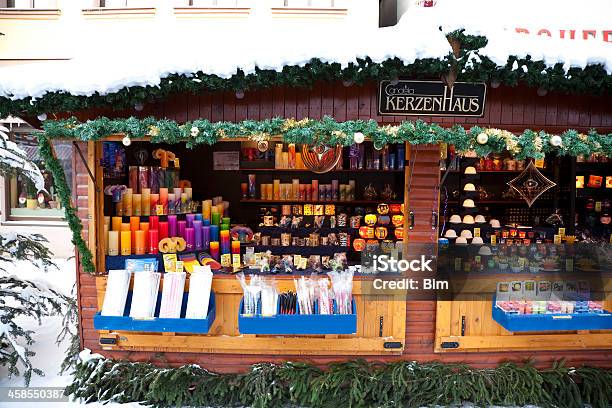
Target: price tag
[(236, 261), (476, 232), (178, 266), (569, 265), (159, 209), (458, 262), (177, 163), (539, 163), (557, 239), (226, 260), (562, 232), (493, 239)]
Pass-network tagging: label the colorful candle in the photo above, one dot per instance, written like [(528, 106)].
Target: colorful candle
[(136, 204), (190, 238), (295, 189), (172, 226), (113, 243), (214, 250), (144, 226), (153, 241), (154, 203), (139, 246), (225, 220), (154, 180), (206, 208), (251, 186), (143, 178), (315, 190), (197, 227), (116, 223), (205, 236), (198, 217), (215, 217), (291, 156), (225, 242), (126, 243), (163, 230), (235, 247), (154, 222), (278, 152), (182, 224), (189, 192), (171, 203), (127, 202), (146, 201), (163, 199), (184, 200), (214, 233), (133, 178)]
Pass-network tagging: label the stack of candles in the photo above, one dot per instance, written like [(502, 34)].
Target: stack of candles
[(179, 201), (142, 237), (314, 191)]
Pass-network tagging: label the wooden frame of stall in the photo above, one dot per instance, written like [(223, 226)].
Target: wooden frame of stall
[(372, 337)]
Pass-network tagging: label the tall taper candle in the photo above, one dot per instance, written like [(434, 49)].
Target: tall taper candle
[(181, 229), (153, 241)]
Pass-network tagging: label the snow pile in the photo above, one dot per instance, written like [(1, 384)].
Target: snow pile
[(15, 159)]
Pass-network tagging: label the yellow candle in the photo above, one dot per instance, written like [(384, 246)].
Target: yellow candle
[(189, 192), (127, 202), (125, 226), (113, 243), (136, 204), (116, 223), (126, 242), (220, 210), (144, 226), (146, 201), (285, 160), (139, 246), (206, 206)]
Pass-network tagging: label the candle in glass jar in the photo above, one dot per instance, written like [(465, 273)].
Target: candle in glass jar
[(144, 226), (163, 199), (181, 228), (113, 243), (163, 230), (153, 241), (139, 246), (116, 223), (214, 250), (136, 204), (146, 201), (197, 228), (172, 226), (126, 243), (127, 202), (190, 239)]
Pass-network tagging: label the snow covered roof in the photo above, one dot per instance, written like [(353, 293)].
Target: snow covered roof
[(123, 60)]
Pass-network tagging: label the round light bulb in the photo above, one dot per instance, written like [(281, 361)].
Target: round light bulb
[(347, 83), (239, 94), (556, 140), (542, 91), (126, 141), (495, 83), (42, 116), (394, 81), (358, 137), (138, 107)]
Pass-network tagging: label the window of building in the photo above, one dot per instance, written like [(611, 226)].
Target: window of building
[(23, 202)]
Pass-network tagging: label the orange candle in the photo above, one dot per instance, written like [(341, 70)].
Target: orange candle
[(136, 204), (153, 204), (116, 223), (125, 226), (163, 199), (277, 189), (139, 246), (127, 202), (126, 242), (134, 226), (144, 226)]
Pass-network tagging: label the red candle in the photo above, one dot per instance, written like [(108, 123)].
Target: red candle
[(163, 230), (154, 222), (153, 241), (144, 226), (235, 247)]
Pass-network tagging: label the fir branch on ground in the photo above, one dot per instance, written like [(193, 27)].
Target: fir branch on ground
[(347, 384)]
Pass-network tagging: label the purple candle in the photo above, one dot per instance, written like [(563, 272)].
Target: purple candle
[(189, 238), (205, 237), (197, 226), (181, 228), (190, 218), (172, 229)]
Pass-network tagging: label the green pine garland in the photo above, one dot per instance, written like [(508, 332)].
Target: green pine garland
[(529, 144), (592, 79), (345, 384), (63, 191)]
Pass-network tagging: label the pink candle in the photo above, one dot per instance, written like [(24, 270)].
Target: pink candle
[(172, 226), (190, 218)]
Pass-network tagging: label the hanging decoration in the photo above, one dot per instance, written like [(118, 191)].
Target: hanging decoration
[(321, 158), (531, 184)]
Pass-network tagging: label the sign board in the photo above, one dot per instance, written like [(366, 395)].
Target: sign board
[(229, 160), (431, 98)]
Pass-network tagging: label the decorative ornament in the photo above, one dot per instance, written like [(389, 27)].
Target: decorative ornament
[(358, 137), (141, 156), (397, 220), (370, 219), (383, 209), (126, 141), (194, 131), (482, 138), (378, 145), (369, 193), (359, 244), (42, 116), (263, 146), (387, 193), (138, 107), (320, 158), (556, 140), (399, 233), (531, 184), (366, 232), (239, 94), (381, 232)]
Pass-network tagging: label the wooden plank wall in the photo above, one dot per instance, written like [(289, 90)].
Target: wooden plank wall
[(514, 109)]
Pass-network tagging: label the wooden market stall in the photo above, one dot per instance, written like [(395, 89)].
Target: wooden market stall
[(385, 330)]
